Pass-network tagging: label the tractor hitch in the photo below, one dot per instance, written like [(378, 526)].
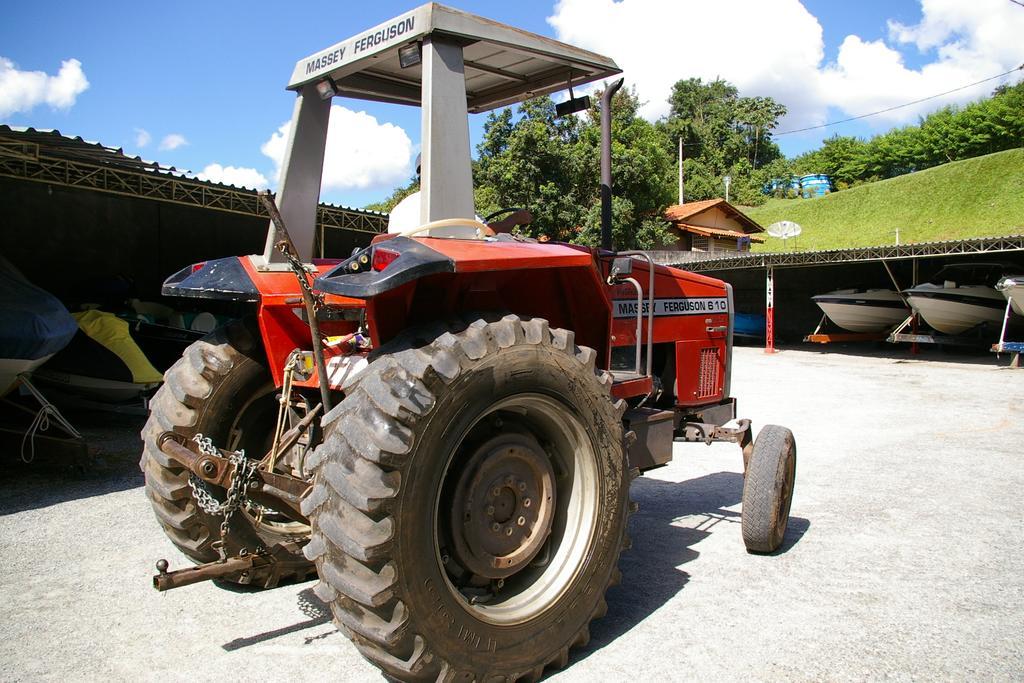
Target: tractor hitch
[(165, 580), (281, 492), (212, 469), (741, 435), (239, 568)]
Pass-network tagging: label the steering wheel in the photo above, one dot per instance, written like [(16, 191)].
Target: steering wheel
[(482, 229), (500, 212)]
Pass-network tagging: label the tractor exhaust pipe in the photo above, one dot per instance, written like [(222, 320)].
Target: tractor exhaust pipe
[(606, 164)]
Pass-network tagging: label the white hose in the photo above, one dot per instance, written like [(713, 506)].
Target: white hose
[(482, 229)]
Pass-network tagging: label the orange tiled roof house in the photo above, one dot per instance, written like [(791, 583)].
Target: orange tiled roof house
[(710, 225)]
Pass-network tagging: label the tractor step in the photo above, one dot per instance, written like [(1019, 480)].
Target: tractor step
[(628, 384)]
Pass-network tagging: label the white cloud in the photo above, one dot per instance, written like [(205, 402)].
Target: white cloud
[(22, 91), (234, 175), (773, 51), (142, 137), (778, 50), (990, 29), (173, 141), (362, 153), (971, 41)]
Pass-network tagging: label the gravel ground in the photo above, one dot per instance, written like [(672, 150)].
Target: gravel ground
[(903, 558)]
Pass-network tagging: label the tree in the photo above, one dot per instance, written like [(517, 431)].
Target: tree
[(839, 157), (723, 134), (399, 193), (760, 115), (533, 162), (551, 166), (945, 135)]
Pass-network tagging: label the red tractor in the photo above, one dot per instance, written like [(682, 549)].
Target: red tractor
[(444, 425)]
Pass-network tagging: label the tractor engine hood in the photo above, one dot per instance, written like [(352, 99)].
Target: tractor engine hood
[(392, 263)]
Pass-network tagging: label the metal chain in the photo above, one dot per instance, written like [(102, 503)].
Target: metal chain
[(200, 491), (318, 299), (205, 499), (244, 469)]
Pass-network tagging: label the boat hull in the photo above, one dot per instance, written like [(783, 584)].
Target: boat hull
[(858, 311), (100, 389), (954, 312), (749, 325), (10, 368)]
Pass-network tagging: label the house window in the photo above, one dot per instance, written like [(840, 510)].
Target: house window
[(700, 243)]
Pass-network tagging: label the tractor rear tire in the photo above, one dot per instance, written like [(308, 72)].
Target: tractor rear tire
[(221, 388), (429, 552), (768, 489)]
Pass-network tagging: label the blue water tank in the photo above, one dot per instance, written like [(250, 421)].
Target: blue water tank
[(815, 185)]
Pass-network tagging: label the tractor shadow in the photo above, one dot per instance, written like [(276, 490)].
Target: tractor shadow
[(653, 569), (316, 612)]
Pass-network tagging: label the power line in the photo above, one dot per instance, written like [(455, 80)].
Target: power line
[(899, 106)]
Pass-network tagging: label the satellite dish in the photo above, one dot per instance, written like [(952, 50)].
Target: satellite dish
[(784, 229)]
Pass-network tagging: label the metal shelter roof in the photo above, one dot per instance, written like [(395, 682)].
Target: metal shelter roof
[(503, 64), (78, 149), (50, 157), (749, 260)]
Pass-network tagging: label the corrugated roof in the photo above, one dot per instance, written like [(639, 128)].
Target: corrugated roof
[(77, 148), (708, 261), (60, 146), (678, 213)]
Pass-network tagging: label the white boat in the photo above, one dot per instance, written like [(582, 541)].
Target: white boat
[(860, 310), (1012, 288), (11, 368), (960, 297)]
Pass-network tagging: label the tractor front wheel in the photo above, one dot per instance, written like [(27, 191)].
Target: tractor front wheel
[(768, 489), (469, 501)]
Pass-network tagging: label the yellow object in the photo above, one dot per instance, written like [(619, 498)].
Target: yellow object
[(112, 332)]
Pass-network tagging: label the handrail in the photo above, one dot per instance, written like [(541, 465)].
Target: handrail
[(650, 310)]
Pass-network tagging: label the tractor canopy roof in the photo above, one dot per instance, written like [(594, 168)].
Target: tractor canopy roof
[(503, 65)]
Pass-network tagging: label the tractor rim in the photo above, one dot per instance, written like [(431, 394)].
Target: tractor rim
[(503, 506), (523, 483)]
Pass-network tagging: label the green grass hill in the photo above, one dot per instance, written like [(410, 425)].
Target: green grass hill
[(979, 197)]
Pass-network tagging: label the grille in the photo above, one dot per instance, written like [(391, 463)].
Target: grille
[(709, 373)]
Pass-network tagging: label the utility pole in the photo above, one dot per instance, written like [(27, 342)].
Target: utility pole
[(769, 322), (727, 179), (682, 196)]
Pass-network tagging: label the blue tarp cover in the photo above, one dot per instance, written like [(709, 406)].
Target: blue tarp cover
[(33, 322)]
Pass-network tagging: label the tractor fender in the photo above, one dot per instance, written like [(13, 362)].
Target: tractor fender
[(224, 279), (365, 274)]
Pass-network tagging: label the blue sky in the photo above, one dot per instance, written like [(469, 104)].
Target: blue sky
[(213, 73)]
